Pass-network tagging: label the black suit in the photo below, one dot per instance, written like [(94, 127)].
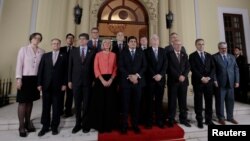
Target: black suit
[(156, 91), (176, 88), (69, 94), (128, 66), (52, 78), (242, 90), (199, 70), (98, 46), (81, 75)]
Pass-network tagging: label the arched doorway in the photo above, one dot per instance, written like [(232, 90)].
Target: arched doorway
[(127, 16)]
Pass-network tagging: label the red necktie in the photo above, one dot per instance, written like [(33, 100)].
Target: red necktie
[(94, 44)]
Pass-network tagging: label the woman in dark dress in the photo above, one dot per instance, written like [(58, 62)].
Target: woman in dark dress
[(28, 60), (102, 108)]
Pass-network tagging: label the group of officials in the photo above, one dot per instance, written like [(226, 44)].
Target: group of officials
[(109, 80)]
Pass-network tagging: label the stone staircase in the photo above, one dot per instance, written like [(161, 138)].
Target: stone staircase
[(9, 124)]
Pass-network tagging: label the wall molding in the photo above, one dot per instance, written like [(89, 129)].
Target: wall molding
[(244, 13)]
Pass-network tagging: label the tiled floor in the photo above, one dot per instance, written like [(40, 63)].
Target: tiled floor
[(9, 125)]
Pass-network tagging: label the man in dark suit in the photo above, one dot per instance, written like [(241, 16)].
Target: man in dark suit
[(242, 90), (117, 48), (203, 70), (80, 77), (157, 66), (52, 82), (95, 43), (143, 42), (132, 65), (69, 94), (169, 48), (120, 44), (226, 79), (178, 69), (145, 89)]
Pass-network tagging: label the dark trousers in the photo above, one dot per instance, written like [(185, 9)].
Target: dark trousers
[(201, 90), (154, 100), (51, 97), (134, 93), (81, 98), (177, 91), (68, 101)]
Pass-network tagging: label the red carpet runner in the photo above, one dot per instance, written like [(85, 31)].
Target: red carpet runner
[(155, 134)]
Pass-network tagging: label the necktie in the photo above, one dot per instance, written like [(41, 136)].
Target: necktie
[(225, 59), (120, 47), (202, 57), (83, 56), (178, 57), (156, 54), (54, 58), (94, 43), (133, 54)]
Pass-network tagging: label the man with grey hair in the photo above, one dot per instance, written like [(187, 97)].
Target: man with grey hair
[(226, 78), (157, 66)]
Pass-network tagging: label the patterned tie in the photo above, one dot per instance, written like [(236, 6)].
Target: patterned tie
[(202, 57)]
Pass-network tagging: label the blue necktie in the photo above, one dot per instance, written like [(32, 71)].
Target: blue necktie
[(202, 57), (225, 59), (133, 54)]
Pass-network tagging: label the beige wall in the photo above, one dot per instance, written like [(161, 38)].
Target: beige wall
[(209, 19), (14, 29)]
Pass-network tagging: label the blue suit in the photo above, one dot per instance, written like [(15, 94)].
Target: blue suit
[(226, 75)]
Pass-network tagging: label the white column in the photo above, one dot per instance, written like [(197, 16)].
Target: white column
[(163, 32), (1, 8), (33, 16), (197, 19)]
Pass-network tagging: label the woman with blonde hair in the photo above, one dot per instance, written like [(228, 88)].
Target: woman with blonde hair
[(102, 108)]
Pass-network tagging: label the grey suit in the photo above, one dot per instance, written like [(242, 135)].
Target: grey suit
[(226, 74)]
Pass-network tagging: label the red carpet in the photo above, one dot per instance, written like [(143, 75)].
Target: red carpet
[(155, 134)]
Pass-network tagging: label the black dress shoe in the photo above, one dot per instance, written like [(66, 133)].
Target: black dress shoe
[(171, 124), (43, 132), (54, 132), (30, 127), (66, 115), (200, 124), (209, 123), (136, 129), (185, 123), (76, 129), (124, 130), (22, 133), (85, 130), (160, 124), (148, 126)]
